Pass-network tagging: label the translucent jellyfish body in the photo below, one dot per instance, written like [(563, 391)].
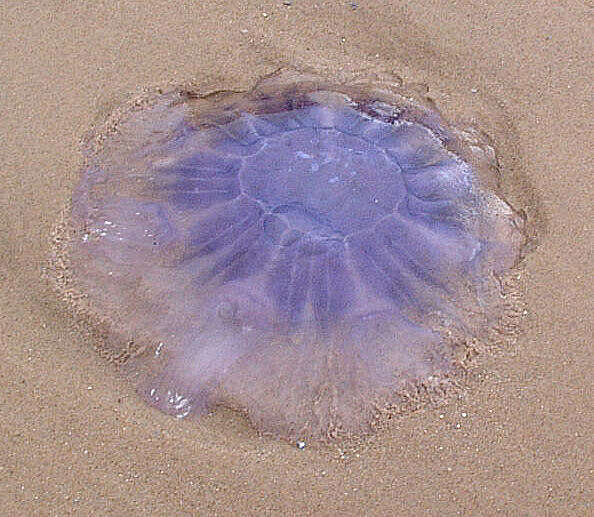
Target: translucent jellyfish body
[(304, 252)]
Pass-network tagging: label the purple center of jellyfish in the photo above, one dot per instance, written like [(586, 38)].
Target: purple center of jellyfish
[(323, 207), (296, 263)]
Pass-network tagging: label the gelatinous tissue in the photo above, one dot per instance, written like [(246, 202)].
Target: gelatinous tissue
[(306, 252)]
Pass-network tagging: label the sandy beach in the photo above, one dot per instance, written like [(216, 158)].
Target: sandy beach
[(77, 440)]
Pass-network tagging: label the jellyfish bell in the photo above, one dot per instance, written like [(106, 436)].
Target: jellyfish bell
[(302, 252)]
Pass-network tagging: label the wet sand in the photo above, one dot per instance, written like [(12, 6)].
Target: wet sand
[(76, 439)]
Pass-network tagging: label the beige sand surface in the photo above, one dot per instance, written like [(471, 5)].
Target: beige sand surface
[(74, 439)]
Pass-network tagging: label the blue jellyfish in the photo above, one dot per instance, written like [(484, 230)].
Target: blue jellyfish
[(304, 252)]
